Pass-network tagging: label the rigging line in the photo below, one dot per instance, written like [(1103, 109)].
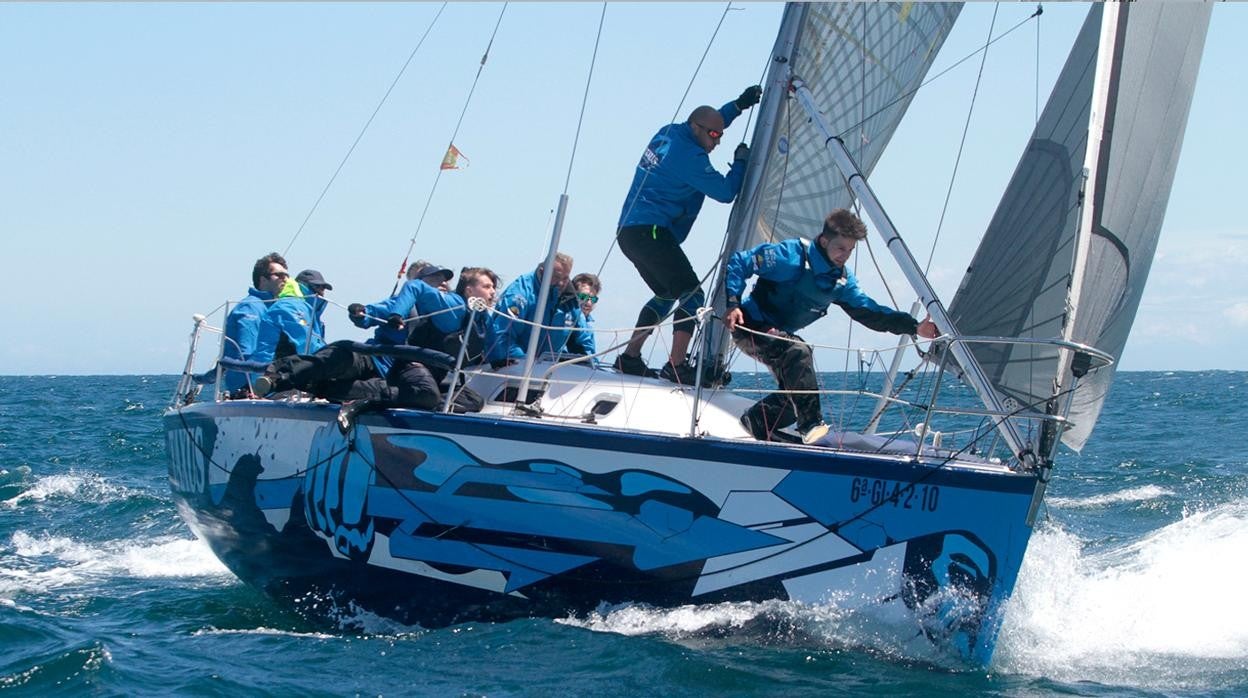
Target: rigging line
[(697, 69), (585, 98), (368, 123), (758, 191), (862, 83), (455, 132), (1039, 11), (966, 129), (937, 76), (749, 119)]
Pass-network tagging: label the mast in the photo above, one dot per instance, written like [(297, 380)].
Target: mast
[(892, 240), (745, 210)]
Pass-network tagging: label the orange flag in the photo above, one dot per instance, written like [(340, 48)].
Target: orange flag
[(450, 161)]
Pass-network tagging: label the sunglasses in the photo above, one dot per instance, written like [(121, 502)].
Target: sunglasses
[(587, 297), (710, 131)]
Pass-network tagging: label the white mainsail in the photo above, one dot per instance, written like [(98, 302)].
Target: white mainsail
[(1070, 245)]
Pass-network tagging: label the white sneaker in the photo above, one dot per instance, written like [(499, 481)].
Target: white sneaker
[(815, 433)]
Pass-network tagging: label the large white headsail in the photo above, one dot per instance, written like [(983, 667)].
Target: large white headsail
[(1050, 268)]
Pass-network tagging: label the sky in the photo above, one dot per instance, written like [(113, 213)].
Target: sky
[(149, 153)]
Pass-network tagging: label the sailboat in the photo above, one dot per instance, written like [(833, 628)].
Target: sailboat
[(577, 486)]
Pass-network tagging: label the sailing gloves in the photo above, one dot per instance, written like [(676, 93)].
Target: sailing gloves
[(742, 153), (749, 98), (357, 313)]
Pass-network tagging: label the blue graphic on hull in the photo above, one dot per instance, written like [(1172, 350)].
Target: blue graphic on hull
[(426, 531), (340, 469), (527, 519)]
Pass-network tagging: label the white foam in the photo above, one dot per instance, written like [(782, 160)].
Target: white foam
[(888, 630), (633, 619), (369, 623), (86, 487), (263, 631), (1134, 494), (44, 562), (1161, 612)]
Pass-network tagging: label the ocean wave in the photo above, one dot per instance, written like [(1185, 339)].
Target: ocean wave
[(44, 563), (887, 630), (81, 486), (1135, 615), (1134, 494), (55, 673)]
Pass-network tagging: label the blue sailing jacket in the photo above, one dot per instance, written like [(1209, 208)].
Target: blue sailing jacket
[(795, 286), (242, 326), (318, 305), (415, 298), (286, 329), (519, 300), (675, 176), (582, 341)]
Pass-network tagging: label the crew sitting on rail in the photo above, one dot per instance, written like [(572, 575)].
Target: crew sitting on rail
[(587, 287), (242, 324), (519, 301), (339, 372), (286, 328)]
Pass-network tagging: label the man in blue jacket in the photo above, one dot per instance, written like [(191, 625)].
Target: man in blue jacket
[(242, 325), (286, 329), (672, 180), (519, 301), (797, 281)]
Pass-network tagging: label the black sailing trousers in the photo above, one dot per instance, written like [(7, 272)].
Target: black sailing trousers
[(792, 364)]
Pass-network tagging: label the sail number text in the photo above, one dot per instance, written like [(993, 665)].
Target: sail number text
[(901, 496)]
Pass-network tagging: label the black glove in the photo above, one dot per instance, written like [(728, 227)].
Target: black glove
[(742, 153), (355, 313), (750, 97), (394, 321)]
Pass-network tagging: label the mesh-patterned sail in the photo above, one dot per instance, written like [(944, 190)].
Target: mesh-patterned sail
[(1020, 281), (1149, 107), (862, 62)]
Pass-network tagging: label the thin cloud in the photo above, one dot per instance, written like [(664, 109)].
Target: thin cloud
[(1237, 313)]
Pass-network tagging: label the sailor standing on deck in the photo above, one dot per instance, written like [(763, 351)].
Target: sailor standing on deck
[(672, 180), (797, 281)]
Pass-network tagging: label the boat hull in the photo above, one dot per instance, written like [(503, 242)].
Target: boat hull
[(436, 519)]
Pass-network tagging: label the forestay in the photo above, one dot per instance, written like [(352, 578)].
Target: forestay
[(1038, 272)]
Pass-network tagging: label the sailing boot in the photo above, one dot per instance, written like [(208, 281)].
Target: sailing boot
[(632, 366), (682, 374)]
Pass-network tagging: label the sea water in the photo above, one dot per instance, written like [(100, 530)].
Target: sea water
[(1133, 582)]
